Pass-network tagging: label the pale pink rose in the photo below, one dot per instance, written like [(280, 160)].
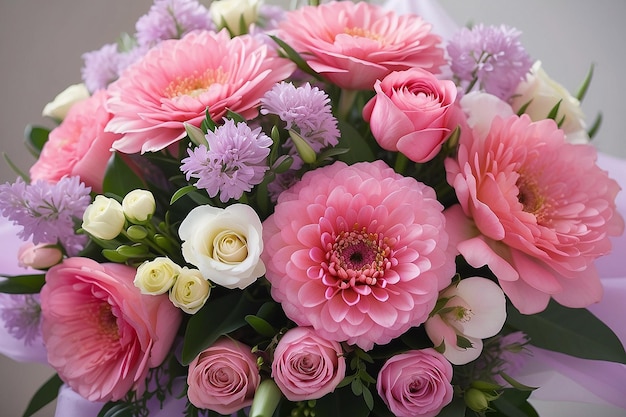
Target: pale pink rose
[(354, 44), (416, 383), (357, 252), (223, 377), (307, 366), (536, 209), (79, 146), (175, 82), (413, 112), (101, 333), (41, 256)]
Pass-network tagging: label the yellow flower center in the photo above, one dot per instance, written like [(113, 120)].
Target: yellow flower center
[(363, 33), (195, 84)]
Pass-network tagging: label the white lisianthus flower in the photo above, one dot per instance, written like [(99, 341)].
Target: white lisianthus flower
[(224, 244), (230, 14), (57, 109), (470, 310), (545, 93), (104, 218), (190, 290), (156, 276), (138, 205)]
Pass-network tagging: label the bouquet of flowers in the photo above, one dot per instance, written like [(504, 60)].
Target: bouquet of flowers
[(330, 210)]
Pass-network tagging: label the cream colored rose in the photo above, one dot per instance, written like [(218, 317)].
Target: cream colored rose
[(104, 218), (190, 290), (545, 93), (156, 276), (138, 205), (224, 244), (230, 13), (58, 108)]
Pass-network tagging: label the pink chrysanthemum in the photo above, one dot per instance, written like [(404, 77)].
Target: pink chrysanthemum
[(353, 45), (176, 81), (358, 252), (542, 212)]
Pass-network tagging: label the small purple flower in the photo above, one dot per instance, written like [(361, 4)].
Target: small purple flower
[(100, 67), (232, 164), (21, 314), (47, 212), (171, 19), (305, 109), (489, 57)]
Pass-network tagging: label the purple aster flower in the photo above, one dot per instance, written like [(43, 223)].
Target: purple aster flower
[(171, 19), (21, 314), (490, 57), (47, 211), (100, 67), (232, 164), (305, 109), (506, 354)]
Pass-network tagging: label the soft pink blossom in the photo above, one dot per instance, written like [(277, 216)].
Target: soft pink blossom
[(306, 366), (413, 112), (357, 252), (534, 208), (175, 82), (101, 333), (79, 146), (223, 377), (416, 383), (354, 44), (41, 256)]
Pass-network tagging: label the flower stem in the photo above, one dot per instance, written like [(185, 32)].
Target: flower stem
[(346, 100), (401, 163)]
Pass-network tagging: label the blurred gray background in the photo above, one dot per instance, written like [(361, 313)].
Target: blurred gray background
[(41, 43)]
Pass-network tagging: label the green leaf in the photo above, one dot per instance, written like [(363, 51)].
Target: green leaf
[(573, 331), (35, 137), (352, 140), (216, 318), (23, 284), (513, 403), (119, 178), (582, 90), (522, 109), (342, 402), (554, 111), (15, 168), (593, 130), (44, 395), (114, 256), (260, 326), (455, 409), (295, 57), (182, 192), (117, 409)]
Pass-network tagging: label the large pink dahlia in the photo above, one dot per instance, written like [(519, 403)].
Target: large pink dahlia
[(177, 80), (358, 252), (534, 208), (353, 45)]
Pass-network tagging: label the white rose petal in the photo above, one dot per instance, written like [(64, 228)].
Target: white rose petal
[(232, 12), (190, 291), (156, 276), (224, 244), (138, 205), (58, 108), (104, 218)]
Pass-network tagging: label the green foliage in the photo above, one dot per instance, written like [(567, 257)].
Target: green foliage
[(119, 178), (44, 395), (35, 137), (295, 57), (22, 284)]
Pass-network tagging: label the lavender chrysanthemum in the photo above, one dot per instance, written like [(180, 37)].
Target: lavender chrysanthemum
[(21, 314), (100, 67), (305, 109), (490, 57), (47, 211), (171, 19), (233, 163)]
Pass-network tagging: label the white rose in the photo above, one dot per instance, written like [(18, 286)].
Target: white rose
[(224, 244), (190, 290), (156, 276), (138, 205), (230, 13), (58, 108), (545, 93), (104, 218)]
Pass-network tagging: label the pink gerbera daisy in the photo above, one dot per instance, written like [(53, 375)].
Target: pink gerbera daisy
[(177, 80), (354, 44), (542, 211), (358, 252)]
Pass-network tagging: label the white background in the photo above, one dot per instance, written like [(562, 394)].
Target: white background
[(41, 43)]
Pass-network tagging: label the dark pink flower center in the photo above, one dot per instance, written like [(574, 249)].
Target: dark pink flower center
[(107, 322), (531, 197)]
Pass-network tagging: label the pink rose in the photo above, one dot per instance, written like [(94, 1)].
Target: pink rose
[(101, 333), (416, 383), (307, 366), (79, 146), (412, 112), (224, 377)]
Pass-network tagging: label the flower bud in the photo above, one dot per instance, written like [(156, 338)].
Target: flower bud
[(233, 14), (476, 400), (104, 218), (190, 291), (41, 256), (138, 205), (57, 109), (157, 276)]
